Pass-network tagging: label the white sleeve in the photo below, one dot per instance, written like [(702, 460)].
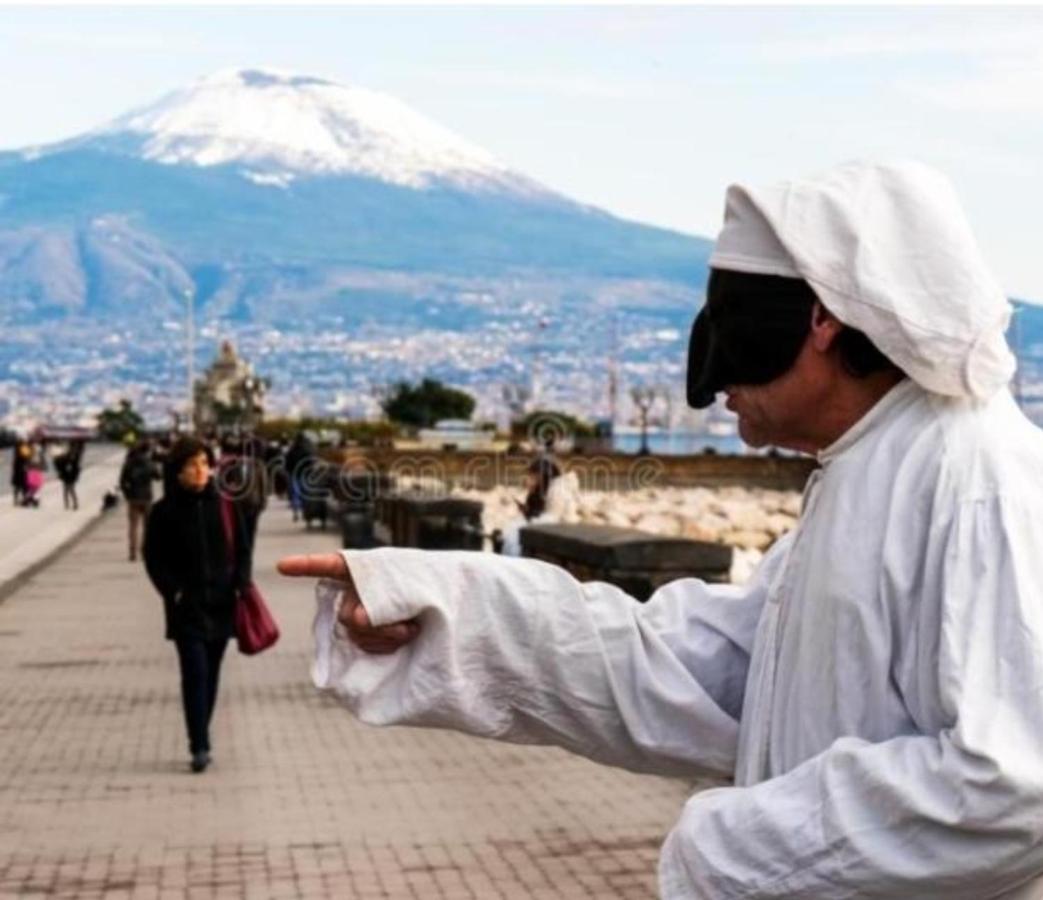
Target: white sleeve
[(955, 812), (518, 650)]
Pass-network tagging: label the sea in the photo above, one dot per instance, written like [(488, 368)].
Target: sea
[(680, 443)]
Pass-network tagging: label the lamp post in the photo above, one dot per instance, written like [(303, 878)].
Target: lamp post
[(190, 334), (537, 362), (613, 373), (251, 388), (643, 398)]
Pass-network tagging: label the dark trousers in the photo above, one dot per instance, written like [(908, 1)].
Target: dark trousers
[(69, 497), (200, 671)]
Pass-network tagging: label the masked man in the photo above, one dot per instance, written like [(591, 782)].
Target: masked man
[(877, 689)]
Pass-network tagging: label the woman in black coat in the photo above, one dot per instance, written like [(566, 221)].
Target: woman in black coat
[(198, 576)]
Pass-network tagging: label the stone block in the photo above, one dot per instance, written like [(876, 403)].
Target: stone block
[(636, 561)]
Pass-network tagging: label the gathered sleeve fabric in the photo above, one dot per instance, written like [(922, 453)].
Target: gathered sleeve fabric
[(954, 812), (518, 650)]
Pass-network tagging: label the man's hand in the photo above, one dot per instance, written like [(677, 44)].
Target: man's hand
[(352, 614)]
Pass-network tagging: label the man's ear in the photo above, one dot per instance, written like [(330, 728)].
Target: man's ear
[(824, 328)]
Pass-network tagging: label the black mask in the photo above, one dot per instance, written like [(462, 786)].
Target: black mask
[(750, 331)]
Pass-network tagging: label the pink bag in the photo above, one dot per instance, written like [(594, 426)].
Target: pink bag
[(255, 626)]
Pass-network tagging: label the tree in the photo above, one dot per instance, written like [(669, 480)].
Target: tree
[(116, 424), (421, 405)]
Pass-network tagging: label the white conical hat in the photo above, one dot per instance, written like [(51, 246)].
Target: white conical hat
[(887, 249)]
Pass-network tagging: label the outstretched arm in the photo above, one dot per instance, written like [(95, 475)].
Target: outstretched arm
[(519, 650)]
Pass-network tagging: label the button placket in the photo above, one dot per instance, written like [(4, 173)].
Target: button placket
[(780, 597)]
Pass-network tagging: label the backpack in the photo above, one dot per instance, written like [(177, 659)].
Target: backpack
[(136, 482)]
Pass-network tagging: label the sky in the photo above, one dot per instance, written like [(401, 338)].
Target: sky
[(648, 112)]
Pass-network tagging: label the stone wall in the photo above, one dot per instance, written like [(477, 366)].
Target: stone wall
[(484, 470), (744, 502)]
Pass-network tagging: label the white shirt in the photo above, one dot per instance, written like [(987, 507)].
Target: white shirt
[(876, 690)]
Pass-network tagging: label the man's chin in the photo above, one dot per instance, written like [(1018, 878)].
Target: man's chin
[(751, 438)]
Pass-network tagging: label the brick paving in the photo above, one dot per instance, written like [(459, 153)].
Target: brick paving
[(302, 801)]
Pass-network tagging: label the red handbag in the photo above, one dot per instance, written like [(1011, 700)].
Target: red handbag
[(255, 626)]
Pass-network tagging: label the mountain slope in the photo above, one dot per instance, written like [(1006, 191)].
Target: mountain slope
[(228, 186)]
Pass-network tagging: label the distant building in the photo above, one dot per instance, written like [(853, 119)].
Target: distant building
[(459, 434), (229, 396)]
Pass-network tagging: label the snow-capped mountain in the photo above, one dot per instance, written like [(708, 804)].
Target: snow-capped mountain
[(279, 126), (262, 192)]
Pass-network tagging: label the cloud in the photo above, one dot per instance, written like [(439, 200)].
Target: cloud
[(564, 84), (114, 41), (1007, 86), (979, 159), (966, 63), (981, 42)]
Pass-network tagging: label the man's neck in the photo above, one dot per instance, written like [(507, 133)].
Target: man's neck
[(852, 399)]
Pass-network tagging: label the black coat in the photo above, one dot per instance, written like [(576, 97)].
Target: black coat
[(299, 456), (67, 465), (19, 469), (136, 477), (187, 559)]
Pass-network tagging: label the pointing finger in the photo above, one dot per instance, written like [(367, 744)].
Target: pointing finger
[(314, 565)]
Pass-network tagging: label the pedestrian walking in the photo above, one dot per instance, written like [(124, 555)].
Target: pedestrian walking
[(21, 456), (300, 460), (136, 477), (199, 576), (161, 449), (243, 474), (275, 463), (67, 465)]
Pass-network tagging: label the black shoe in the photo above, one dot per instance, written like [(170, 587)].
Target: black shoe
[(200, 761)]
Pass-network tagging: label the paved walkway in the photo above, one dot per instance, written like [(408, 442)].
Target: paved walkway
[(302, 801), (28, 537)]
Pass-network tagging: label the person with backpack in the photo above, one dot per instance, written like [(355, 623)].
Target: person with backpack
[(136, 479)]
